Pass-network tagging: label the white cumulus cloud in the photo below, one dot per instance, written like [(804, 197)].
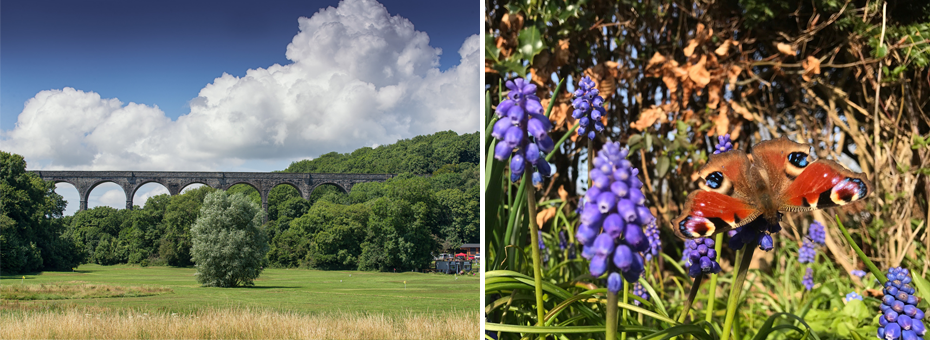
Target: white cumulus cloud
[(358, 77)]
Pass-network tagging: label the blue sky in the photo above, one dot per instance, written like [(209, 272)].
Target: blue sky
[(229, 85)]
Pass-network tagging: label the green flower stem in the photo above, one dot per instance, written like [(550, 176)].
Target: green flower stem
[(695, 286), (712, 289), (868, 263), (626, 301), (742, 267), (611, 332), (534, 245)]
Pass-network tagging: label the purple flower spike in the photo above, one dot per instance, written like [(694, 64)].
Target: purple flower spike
[(615, 204), (589, 108), (700, 257), (807, 252), (817, 233), (808, 279), (522, 129)]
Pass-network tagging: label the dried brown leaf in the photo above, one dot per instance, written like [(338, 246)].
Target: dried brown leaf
[(740, 110), (699, 74), (732, 74), (787, 49), (724, 48), (722, 122), (563, 194), (649, 117), (810, 65), (544, 216), (689, 50), (657, 61), (562, 54), (714, 89)]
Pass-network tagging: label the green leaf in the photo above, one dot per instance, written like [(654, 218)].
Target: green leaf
[(530, 42), (490, 48), (923, 287), (662, 167), (880, 52)]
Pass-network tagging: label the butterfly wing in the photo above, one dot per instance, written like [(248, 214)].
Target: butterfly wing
[(803, 184), (823, 184), (723, 201)]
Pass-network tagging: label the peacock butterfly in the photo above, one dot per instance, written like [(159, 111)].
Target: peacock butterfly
[(779, 175)]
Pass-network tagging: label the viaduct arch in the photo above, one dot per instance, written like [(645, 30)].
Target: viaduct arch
[(131, 181)]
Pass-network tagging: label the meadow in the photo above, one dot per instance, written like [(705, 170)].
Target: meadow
[(284, 303)]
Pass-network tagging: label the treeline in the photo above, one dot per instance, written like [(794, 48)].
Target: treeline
[(378, 226)]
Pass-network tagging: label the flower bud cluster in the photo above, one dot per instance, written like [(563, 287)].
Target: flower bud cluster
[(817, 233), (808, 280), (901, 319), (807, 252), (655, 243), (853, 296), (701, 257), (613, 217), (589, 108), (640, 291), (522, 131)]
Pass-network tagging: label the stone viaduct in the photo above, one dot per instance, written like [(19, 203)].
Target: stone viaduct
[(130, 181)]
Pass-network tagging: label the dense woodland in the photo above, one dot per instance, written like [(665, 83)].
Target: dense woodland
[(397, 224)]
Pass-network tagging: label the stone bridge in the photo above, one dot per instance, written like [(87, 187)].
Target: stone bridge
[(130, 181)]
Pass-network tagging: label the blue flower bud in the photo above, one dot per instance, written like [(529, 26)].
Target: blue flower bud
[(536, 128), (537, 178), (598, 265), (892, 331), (500, 127), (502, 150), (623, 257), (586, 234), (613, 225), (544, 168), (603, 245), (545, 144), (516, 114), (505, 106), (619, 188), (517, 164), (599, 179), (614, 283), (627, 210), (513, 136), (533, 106), (635, 237)]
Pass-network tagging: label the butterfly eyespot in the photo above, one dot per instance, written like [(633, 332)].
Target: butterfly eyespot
[(798, 159), (714, 180)]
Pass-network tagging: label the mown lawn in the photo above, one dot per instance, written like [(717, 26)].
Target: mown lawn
[(292, 290)]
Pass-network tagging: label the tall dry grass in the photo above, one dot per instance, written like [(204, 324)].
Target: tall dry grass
[(234, 324)]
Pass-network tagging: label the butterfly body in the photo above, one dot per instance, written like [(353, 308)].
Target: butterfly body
[(778, 176)]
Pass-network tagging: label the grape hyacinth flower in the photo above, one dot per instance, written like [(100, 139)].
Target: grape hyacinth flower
[(540, 238), (807, 252), (655, 244), (858, 273), (901, 318), (817, 233), (521, 115), (702, 258), (589, 108), (638, 290), (853, 296), (808, 280), (563, 240), (613, 217)]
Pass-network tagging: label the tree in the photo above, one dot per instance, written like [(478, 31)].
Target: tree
[(30, 221), (180, 214), (228, 244)]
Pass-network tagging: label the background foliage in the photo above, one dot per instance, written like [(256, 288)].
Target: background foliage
[(677, 74)]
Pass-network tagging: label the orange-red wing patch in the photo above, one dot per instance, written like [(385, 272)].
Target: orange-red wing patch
[(707, 213)]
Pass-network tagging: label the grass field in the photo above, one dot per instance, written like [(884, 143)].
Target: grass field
[(291, 303)]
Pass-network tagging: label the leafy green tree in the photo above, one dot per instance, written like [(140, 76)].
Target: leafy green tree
[(180, 215), (30, 221), (247, 190), (398, 236), (229, 246)]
